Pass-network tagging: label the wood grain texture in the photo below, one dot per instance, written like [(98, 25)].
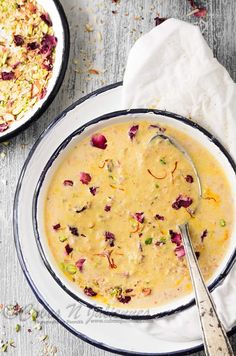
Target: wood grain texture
[(105, 49)]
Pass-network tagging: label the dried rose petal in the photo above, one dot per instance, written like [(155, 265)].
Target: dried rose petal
[(32, 46), (179, 251), (109, 236), (74, 230), (46, 18), (99, 141), (85, 178), (93, 190), (175, 237), (89, 292), (129, 290), (56, 227), (48, 63), (202, 11), (133, 131), (204, 234), (18, 40), (124, 299), (16, 65), (139, 217), (107, 208), (159, 217), (68, 249), (158, 20), (48, 43), (43, 93), (7, 75), (161, 129), (192, 3), (68, 182), (4, 126), (189, 178), (181, 201), (79, 264)]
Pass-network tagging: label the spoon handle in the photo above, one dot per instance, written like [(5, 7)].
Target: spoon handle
[(216, 342)]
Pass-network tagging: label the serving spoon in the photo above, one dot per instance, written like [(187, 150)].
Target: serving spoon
[(216, 342)]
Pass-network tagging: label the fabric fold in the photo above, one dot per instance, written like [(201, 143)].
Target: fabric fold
[(172, 68)]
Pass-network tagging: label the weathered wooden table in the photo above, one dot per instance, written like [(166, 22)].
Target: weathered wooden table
[(102, 33)]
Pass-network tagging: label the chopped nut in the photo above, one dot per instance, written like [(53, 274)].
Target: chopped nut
[(146, 291), (93, 71), (89, 27)]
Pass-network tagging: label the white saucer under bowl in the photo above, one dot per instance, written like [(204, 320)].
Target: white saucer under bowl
[(132, 337)]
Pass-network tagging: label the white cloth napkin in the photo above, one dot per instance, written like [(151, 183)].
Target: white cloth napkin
[(172, 68)]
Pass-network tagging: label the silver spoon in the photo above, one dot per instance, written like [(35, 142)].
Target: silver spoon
[(216, 342)]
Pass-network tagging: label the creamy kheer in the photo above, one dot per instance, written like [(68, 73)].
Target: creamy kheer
[(113, 208)]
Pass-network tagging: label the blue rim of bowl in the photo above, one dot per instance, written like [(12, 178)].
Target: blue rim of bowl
[(109, 116), (59, 80), (22, 261)]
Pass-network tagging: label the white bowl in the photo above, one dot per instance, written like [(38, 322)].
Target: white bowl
[(164, 118), (61, 30)]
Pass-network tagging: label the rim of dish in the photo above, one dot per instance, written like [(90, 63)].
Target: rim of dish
[(58, 81), (132, 314)]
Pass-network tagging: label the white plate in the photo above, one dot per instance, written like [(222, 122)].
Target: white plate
[(110, 333), (61, 30)]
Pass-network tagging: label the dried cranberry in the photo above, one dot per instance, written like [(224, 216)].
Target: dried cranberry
[(46, 18), (7, 75), (107, 208), (133, 131), (18, 40), (89, 292), (99, 141), (68, 249), (197, 253)]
